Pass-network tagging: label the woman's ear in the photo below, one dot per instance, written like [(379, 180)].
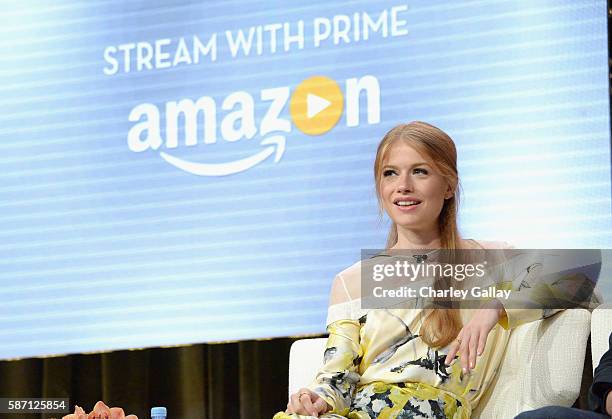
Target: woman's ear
[(450, 192)]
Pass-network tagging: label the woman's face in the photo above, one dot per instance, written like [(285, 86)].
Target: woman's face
[(412, 190)]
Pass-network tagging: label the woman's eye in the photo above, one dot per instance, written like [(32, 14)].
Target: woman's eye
[(388, 172), (420, 171)]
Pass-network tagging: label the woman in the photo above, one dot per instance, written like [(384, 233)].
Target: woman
[(408, 363)]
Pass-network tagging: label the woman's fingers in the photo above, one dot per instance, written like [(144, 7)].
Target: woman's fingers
[(320, 405), (296, 402), (470, 343), (473, 336), (461, 347), (472, 347), (308, 407), (451, 354), (454, 349), (463, 352), (467, 346), (305, 402), (482, 342)]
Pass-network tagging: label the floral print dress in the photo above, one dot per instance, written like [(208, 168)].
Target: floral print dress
[(377, 366)]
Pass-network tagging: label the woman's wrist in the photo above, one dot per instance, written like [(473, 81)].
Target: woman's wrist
[(497, 306)]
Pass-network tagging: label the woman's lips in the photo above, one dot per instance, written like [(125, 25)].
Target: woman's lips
[(407, 208)]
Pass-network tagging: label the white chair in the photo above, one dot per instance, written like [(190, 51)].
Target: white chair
[(601, 327), (542, 365)]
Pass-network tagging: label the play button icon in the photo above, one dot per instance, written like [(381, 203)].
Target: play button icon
[(316, 105)]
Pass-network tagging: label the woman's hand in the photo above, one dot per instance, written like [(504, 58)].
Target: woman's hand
[(472, 338), (306, 402)]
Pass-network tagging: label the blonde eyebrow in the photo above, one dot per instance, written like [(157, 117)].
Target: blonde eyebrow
[(390, 166)]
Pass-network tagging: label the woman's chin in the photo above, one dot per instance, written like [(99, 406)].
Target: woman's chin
[(413, 223), (408, 224)]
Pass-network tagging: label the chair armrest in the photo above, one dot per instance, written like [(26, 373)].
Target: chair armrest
[(601, 327)]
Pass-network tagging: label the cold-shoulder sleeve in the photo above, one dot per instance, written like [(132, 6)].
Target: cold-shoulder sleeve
[(337, 379)]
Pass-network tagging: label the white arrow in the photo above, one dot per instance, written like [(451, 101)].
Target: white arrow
[(277, 143), (315, 104)]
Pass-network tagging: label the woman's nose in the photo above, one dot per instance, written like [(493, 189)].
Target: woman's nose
[(404, 185)]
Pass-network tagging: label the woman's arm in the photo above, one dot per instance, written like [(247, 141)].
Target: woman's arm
[(533, 295), (337, 379), (544, 282)]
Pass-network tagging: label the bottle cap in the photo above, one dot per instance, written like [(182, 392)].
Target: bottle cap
[(158, 411)]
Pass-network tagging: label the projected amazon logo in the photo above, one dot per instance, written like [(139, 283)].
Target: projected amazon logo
[(315, 107)]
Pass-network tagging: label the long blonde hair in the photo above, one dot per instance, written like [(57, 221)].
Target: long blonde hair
[(441, 325)]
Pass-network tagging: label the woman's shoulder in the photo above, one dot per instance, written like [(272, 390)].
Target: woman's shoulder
[(486, 244), (347, 284), (350, 278), (352, 272)]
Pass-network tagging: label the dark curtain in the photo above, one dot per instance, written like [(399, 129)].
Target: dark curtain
[(246, 380), (242, 380)]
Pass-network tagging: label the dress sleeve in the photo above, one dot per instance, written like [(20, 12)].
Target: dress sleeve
[(542, 283), (337, 379)]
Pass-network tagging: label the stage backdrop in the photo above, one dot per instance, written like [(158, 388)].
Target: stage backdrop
[(198, 171)]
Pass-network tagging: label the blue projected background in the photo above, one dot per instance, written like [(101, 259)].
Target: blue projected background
[(172, 174)]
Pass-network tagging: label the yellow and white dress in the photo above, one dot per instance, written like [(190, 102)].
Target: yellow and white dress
[(377, 366)]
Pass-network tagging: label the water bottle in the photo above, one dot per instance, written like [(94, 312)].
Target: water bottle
[(158, 413)]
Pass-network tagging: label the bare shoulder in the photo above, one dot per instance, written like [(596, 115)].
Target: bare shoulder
[(486, 244)]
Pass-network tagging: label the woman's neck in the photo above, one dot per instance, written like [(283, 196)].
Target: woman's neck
[(407, 239)]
